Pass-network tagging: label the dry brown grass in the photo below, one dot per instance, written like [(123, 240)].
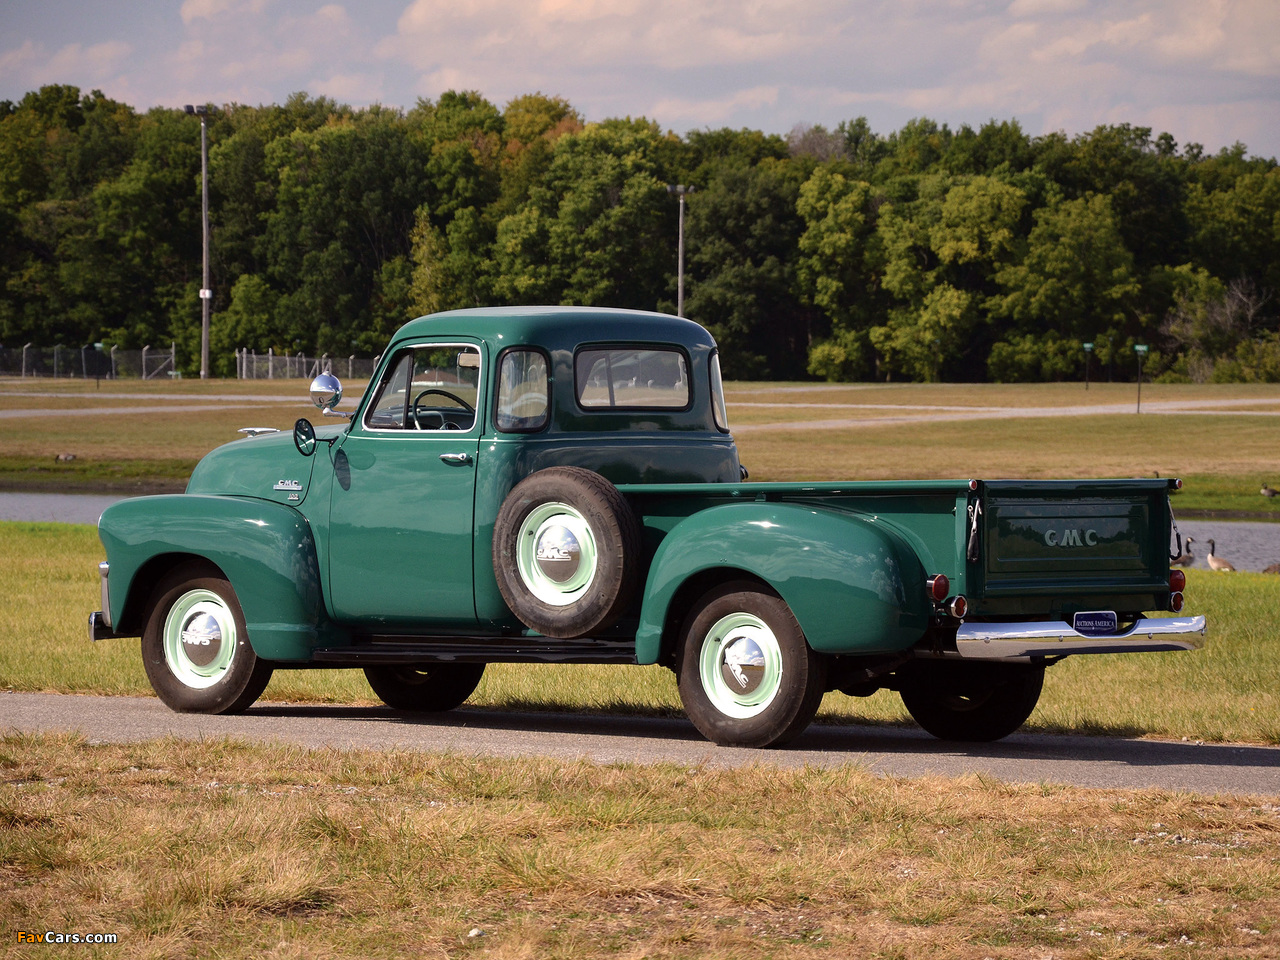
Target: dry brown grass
[(1120, 445), (856, 431), (227, 849)]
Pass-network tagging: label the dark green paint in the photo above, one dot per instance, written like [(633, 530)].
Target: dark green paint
[(383, 537)]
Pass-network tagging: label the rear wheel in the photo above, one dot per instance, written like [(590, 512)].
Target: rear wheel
[(973, 702), (195, 646), (746, 674), (425, 689)]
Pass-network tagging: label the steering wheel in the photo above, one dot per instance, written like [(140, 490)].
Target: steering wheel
[(444, 424)]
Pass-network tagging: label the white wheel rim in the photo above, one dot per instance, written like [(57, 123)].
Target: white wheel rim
[(199, 639), (740, 665), (556, 554)]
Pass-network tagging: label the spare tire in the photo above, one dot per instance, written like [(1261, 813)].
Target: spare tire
[(566, 552)]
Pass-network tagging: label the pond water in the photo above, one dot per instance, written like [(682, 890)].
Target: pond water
[(1248, 545)]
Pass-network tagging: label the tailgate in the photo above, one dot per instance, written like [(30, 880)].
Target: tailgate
[(1070, 542)]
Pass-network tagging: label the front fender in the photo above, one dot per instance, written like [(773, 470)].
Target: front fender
[(852, 582), (266, 550)]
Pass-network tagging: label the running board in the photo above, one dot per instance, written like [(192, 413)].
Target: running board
[(391, 651)]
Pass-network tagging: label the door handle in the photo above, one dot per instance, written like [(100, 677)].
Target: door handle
[(456, 457)]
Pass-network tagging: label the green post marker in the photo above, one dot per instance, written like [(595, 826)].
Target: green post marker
[(1141, 350), (1088, 352)]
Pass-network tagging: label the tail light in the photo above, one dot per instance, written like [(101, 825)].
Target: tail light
[(1175, 602), (939, 587), (959, 606), (1177, 581)]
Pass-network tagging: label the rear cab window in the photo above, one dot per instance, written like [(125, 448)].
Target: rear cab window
[(631, 378)]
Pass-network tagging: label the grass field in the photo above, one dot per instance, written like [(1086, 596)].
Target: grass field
[(1224, 692), (784, 432), (224, 849)]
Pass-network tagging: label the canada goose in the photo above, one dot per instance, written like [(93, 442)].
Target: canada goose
[(1217, 563), (1268, 490), (1187, 557), (1274, 568)]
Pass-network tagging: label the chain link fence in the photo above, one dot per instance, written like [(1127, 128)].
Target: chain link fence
[(90, 363), (151, 363), (251, 365)]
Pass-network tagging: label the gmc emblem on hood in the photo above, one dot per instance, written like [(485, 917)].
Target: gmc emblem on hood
[(1071, 538)]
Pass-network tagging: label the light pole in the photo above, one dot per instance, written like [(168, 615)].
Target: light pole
[(680, 190), (1088, 352), (206, 294), (1141, 350)]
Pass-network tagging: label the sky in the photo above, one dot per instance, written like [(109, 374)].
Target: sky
[(1205, 71)]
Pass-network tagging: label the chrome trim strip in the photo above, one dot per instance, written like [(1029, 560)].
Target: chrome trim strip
[(104, 568), (1056, 638)]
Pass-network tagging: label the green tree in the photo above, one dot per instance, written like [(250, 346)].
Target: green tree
[(346, 195), (832, 272), (742, 231), (1077, 277), (942, 254), (595, 228)]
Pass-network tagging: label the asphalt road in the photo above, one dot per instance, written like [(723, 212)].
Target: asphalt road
[(1100, 762)]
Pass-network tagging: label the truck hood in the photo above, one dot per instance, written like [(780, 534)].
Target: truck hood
[(267, 466)]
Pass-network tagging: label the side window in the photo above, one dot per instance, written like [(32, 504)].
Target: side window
[(387, 412), (522, 391), (631, 378), (718, 409), (431, 387)]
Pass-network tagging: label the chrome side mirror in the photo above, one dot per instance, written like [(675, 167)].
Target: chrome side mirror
[(326, 393), (304, 437)]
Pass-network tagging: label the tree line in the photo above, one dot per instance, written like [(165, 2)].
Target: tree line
[(924, 254)]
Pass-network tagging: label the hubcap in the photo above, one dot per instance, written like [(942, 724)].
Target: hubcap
[(556, 554), (740, 665), (199, 638)]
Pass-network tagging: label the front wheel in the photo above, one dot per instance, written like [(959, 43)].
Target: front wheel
[(425, 689), (972, 702), (195, 646), (745, 672)]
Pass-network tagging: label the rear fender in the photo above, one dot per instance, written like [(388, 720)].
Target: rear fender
[(264, 549), (853, 582)]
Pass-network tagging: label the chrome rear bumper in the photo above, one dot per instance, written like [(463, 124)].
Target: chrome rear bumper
[(1056, 638)]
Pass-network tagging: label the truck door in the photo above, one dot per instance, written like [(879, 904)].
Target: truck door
[(400, 518)]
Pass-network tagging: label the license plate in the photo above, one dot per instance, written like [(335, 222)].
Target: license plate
[(1095, 623)]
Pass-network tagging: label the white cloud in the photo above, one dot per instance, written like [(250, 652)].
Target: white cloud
[(193, 10), (349, 87), (1039, 8), (20, 59), (73, 63), (711, 112), (1205, 70)]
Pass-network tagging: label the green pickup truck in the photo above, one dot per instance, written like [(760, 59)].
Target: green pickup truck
[(560, 485)]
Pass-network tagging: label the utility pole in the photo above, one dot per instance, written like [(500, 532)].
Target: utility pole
[(1141, 350), (206, 294), (680, 190)]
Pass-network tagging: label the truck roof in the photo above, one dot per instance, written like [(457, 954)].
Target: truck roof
[(558, 328)]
